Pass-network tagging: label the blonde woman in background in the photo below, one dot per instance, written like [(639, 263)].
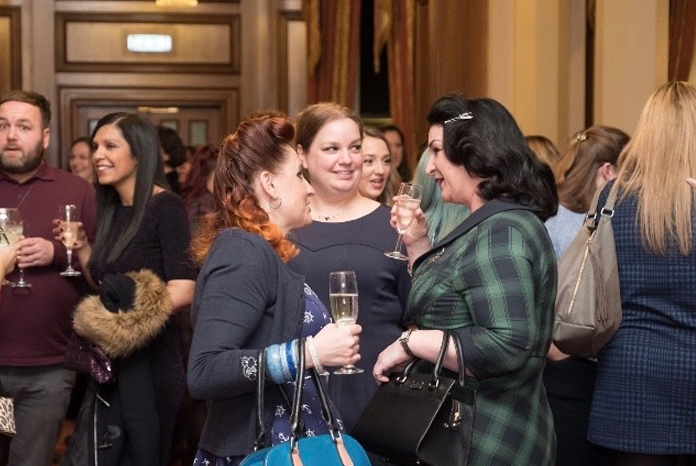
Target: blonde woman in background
[(80, 161), (380, 181), (644, 405)]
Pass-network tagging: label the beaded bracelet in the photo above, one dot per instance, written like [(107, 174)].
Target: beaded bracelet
[(315, 357)]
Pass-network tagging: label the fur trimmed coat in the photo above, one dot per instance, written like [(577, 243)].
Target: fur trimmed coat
[(121, 334), (118, 423)]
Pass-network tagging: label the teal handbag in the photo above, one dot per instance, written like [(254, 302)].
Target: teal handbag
[(332, 449)]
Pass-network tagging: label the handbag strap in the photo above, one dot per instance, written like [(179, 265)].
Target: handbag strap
[(593, 216), (297, 395), (261, 430), (323, 399), (260, 411), (439, 362)]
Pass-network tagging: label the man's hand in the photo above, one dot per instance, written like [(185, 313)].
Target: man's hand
[(34, 252)]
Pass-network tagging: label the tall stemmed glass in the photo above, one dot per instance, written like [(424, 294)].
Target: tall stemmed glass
[(11, 229), (407, 201), (22, 283), (343, 294), (69, 219)]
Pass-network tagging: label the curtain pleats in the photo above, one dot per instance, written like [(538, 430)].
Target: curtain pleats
[(400, 51), (682, 29), (333, 40)]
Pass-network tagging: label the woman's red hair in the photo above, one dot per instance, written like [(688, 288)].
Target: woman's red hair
[(257, 145)]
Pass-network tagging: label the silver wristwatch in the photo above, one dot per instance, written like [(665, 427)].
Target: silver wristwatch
[(403, 339)]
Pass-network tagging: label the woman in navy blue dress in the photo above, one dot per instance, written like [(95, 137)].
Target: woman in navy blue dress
[(644, 406)]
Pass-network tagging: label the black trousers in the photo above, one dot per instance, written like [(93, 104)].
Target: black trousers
[(569, 387)]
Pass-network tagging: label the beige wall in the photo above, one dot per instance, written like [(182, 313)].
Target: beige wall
[(537, 50), (630, 60)]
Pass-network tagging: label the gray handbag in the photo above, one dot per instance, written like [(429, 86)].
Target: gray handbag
[(588, 299)]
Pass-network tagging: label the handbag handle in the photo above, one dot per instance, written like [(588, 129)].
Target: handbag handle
[(594, 215), (439, 362), (260, 382), (325, 409), (297, 395), (261, 430)]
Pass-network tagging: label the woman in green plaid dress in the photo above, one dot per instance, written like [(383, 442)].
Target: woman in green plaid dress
[(492, 279)]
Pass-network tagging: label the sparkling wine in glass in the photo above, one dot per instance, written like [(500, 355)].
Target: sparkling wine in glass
[(69, 219), (343, 294), (22, 283), (11, 228), (407, 201)]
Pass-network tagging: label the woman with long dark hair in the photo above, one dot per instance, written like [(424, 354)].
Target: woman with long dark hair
[(139, 263)]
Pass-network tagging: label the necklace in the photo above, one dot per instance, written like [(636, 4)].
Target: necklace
[(325, 218)]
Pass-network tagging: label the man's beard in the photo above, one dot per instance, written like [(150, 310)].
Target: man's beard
[(28, 162)]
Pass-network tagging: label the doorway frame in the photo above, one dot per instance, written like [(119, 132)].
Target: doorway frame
[(72, 98)]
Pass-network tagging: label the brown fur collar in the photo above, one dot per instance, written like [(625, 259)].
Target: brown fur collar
[(120, 334)]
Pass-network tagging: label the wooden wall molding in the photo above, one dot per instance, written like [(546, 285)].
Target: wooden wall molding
[(285, 42), (13, 74), (72, 98), (155, 63)]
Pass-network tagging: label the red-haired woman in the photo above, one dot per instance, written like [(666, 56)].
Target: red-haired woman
[(247, 298)]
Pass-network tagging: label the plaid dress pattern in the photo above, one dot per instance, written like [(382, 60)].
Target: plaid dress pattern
[(496, 285)]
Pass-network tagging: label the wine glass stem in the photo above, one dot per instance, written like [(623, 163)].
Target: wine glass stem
[(69, 253), (399, 241)]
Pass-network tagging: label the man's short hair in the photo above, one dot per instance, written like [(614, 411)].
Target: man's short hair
[(31, 98)]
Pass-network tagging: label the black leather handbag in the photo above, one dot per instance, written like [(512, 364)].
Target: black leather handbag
[(421, 418)]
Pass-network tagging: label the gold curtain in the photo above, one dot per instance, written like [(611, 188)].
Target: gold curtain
[(395, 25), (333, 40), (682, 28)]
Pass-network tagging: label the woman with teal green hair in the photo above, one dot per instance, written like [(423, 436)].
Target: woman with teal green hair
[(442, 216)]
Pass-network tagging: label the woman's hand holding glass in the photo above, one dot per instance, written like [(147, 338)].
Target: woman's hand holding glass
[(78, 236), (337, 345), (8, 258), (11, 228), (415, 238), (69, 219), (405, 205), (343, 293)]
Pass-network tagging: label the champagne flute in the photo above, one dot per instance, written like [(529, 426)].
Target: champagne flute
[(69, 219), (22, 283), (11, 228), (343, 294), (407, 201)]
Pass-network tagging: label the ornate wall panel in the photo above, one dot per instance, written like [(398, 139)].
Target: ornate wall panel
[(97, 43)]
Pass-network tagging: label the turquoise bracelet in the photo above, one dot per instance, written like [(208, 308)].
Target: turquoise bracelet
[(274, 364)]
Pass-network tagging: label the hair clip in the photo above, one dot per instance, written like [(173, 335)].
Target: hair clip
[(461, 116), (581, 137)]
